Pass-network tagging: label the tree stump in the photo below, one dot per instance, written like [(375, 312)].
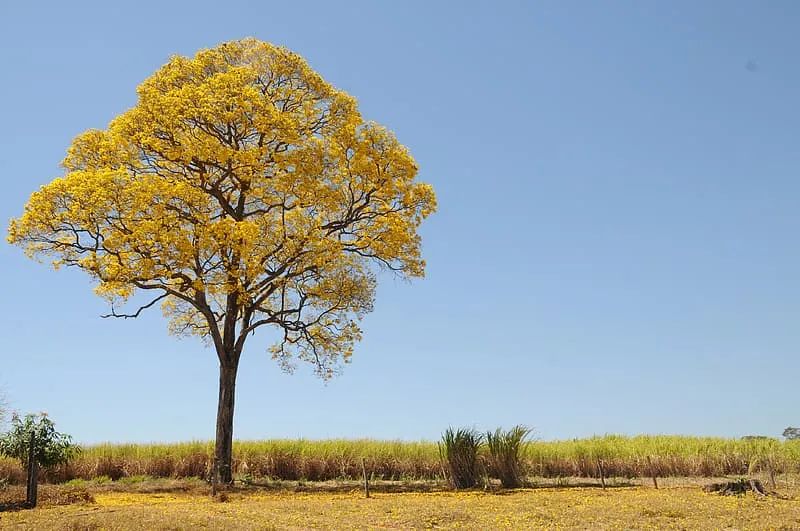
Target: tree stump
[(737, 487)]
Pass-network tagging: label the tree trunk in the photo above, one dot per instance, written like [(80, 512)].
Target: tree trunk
[(31, 494), (223, 451)]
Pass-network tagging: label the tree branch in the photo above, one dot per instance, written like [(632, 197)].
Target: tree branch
[(139, 311)]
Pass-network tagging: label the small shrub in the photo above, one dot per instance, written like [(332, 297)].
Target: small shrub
[(458, 451), (51, 447), (132, 480), (504, 454), (35, 438)]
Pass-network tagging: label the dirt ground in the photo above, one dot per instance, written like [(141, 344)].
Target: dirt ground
[(179, 505)]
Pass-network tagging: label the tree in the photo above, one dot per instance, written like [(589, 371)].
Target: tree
[(34, 441), (241, 191), (791, 433), (3, 408)]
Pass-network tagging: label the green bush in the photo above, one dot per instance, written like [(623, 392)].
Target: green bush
[(458, 451), (50, 447), (505, 448), (132, 480)]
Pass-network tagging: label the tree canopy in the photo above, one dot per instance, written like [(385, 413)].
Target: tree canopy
[(242, 190), (792, 433), (50, 447)]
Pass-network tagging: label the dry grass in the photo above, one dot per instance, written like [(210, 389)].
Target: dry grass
[(685, 507), (395, 460), (48, 495)]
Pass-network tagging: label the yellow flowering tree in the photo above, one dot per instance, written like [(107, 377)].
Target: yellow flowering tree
[(241, 191)]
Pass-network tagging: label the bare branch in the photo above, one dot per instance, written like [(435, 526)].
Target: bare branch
[(139, 311)]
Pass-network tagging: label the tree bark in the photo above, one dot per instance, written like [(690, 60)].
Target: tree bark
[(223, 451), (33, 474)]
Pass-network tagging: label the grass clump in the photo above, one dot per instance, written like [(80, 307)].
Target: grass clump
[(505, 449), (78, 483), (133, 480), (458, 451)]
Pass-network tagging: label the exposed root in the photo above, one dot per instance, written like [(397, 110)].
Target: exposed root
[(738, 487)]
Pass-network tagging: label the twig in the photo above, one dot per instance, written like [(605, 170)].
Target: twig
[(133, 315)]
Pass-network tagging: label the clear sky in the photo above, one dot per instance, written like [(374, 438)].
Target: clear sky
[(616, 248)]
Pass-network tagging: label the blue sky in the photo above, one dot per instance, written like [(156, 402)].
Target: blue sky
[(616, 247)]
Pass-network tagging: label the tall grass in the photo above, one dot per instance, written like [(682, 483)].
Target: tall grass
[(504, 454), (458, 451), (663, 455), (396, 460)]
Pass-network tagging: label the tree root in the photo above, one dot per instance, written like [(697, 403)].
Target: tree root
[(738, 487)]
